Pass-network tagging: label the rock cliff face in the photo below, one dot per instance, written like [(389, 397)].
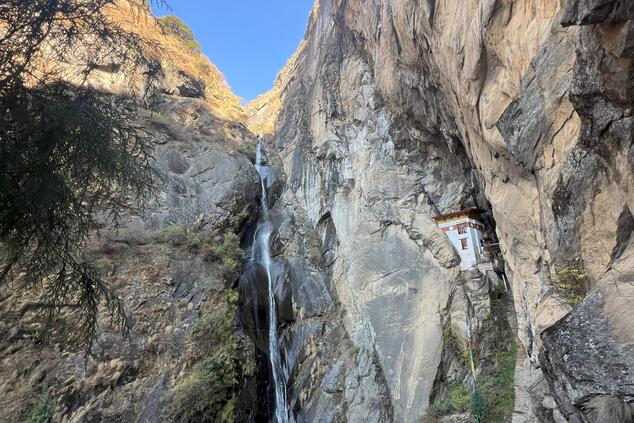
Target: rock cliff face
[(173, 267), (388, 114), (394, 112)]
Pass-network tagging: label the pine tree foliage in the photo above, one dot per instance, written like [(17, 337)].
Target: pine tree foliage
[(68, 153)]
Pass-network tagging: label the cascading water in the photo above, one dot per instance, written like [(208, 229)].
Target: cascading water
[(262, 255)]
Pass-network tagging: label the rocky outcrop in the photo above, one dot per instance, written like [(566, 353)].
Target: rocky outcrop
[(164, 264), (372, 181), (598, 364), (164, 281), (331, 379), (176, 67), (389, 113), (262, 112), (397, 111), (584, 12)]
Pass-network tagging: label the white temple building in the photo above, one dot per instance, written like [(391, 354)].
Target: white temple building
[(466, 233)]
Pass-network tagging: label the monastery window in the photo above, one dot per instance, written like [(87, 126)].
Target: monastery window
[(463, 242), (462, 229)]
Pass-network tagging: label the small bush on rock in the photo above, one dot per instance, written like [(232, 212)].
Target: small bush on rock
[(479, 406), (571, 281), (176, 234), (455, 400), (236, 219), (42, 413), (193, 242), (208, 393), (498, 388), (494, 355), (179, 29), (228, 252)]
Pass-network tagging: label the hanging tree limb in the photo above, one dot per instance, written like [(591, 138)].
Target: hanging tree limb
[(68, 151)]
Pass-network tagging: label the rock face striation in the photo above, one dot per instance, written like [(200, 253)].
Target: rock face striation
[(394, 112), (389, 114)]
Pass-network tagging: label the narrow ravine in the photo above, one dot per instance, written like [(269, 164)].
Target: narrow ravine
[(262, 256)]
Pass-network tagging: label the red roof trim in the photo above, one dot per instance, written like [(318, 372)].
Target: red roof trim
[(469, 212)]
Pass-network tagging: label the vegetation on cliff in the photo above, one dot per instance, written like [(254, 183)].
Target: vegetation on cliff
[(78, 163), (571, 281), (209, 391), (73, 155), (217, 359), (179, 29), (494, 359), (42, 413)]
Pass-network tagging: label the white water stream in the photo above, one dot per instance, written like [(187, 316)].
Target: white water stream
[(263, 254)]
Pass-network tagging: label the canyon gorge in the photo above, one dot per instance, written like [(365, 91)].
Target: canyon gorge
[(388, 115)]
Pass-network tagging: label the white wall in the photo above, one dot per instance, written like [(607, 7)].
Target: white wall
[(469, 257)]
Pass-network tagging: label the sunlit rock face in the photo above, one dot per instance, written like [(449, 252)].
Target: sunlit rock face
[(396, 111), (389, 113), (370, 181)]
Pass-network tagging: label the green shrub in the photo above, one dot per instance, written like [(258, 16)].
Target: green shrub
[(493, 401), (233, 297), (228, 252), (236, 219), (455, 400), (571, 281), (478, 406), (314, 256), (208, 392), (213, 328), (450, 342), (193, 242), (313, 246), (42, 413), (175, 27), (498, 389), (500, 289), (174, 233)]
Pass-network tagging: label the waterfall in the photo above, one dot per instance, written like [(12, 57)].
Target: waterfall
[(262, 254)]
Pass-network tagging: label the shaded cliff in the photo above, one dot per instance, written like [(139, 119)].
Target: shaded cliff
[(174, 266)]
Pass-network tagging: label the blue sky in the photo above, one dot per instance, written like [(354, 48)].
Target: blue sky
[(248, 40)]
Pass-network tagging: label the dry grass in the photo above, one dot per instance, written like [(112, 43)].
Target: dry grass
[(177, 56)]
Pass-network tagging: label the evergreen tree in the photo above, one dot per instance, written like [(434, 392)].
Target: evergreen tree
[(67, 151)]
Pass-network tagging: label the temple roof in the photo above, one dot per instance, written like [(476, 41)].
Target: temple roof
[(472, 213)]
